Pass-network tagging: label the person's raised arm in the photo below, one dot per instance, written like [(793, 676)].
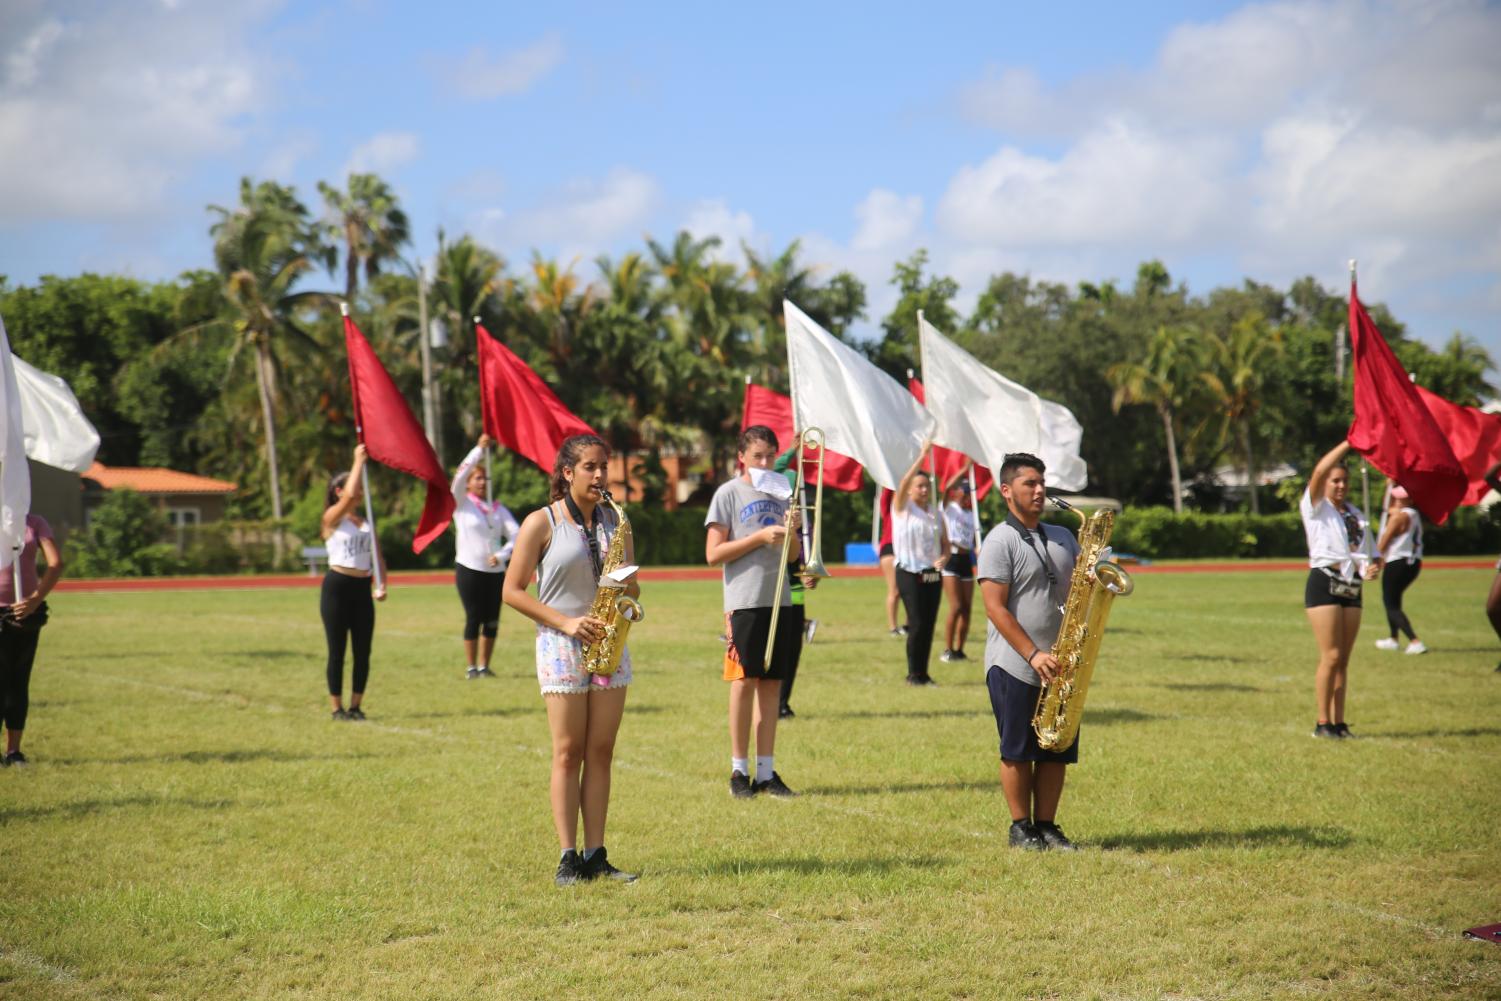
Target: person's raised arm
[(899, 499), (341, 507), (460, 485), (1320, 475)]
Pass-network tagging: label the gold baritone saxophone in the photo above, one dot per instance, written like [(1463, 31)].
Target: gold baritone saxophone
[(611, 604), (1095, 584)]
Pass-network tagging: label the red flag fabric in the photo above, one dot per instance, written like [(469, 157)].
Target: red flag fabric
[(1474, 435), (768, 407), (392, 436), (950, 465), (1392, 427), (520, 411)]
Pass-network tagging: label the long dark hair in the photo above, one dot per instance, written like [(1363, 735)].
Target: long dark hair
[(568, 456), (334, 486)]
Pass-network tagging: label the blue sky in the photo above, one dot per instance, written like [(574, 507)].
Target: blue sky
[(1067, 141)]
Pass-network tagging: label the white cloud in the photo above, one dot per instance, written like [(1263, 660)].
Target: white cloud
[(482, 77), (714, 217), (583, 217), (1281, 139), (103, 107), (887, 220), (383, 152)]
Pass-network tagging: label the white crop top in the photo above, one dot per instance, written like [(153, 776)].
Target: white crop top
[(349, 545)]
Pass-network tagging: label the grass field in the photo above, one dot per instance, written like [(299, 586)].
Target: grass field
[(195, 827)]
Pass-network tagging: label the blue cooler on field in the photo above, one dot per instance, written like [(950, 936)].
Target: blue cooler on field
[(860, 554)]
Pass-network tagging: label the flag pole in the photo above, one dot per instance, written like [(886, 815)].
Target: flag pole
[(359, 432), (974, 505), (489, 473)]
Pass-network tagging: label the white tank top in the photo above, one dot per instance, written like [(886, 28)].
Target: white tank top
[(349, 545), (914, 538), (1408, 544)]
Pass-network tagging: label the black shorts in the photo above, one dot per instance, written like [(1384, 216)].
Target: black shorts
[(1316, 592), (1014, 703), (745, 655), (888, 550), (961, 565)]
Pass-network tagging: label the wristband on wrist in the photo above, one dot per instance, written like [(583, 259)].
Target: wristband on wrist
[(1034, 653)]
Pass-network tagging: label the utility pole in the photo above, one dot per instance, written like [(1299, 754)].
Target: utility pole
[(429, 417)]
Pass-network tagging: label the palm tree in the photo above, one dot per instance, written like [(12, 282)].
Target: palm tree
[(262, 248), (1165, 380), (369, 221), (1237, 367)]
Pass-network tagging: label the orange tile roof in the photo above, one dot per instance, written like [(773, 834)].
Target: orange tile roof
[(154, 480)]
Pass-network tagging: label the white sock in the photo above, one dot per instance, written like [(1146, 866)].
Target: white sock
[(763, 768), (741, 765)]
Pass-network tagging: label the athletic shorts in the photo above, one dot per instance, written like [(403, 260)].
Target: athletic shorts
[(1316, 592), (887, 549), (745, 653), (961, 565), (1014, 703), (560, 666)]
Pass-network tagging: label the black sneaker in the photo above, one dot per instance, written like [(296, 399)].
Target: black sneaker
[(1342, 731), (946, 657), (785, 713), (570, 869), (916, 680), (1052, 836), (958, 655), (339, 715), (355, 714), (740, 786), (484, 672), (1024, 835), (16, 758), (597, 866), (470, 673), (1325, 730), (774, 786)]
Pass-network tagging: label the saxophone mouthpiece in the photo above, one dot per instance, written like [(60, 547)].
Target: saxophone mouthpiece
[(1061, 504)]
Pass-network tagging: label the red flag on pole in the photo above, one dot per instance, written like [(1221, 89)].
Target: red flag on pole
[(392, 436), (519, 409), (951, 465), (1392, 427), (768, 407), (1474, 435)]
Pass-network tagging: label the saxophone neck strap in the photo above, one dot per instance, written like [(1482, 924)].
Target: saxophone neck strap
[(1042, 551), (590, 532)]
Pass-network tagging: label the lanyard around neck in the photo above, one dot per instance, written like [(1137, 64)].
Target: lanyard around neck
[(589, 532)]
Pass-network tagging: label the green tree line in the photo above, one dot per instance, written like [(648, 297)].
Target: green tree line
[(238, 370)]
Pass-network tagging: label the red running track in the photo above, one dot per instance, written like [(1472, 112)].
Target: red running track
[(445, 577)]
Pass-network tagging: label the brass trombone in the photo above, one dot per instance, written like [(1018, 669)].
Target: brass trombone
[(812, 565)]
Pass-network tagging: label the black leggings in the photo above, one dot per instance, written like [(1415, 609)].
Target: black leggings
[(348, 611), (921, 602), (17, 653), (1395, 578), (480, 593)]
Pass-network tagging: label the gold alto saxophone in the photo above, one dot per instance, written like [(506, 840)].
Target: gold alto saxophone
[(611, 604), (1094, 585)]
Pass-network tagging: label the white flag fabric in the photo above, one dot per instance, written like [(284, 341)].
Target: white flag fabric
[(15, 476), (56, 431), (985, 415), (863, 412)]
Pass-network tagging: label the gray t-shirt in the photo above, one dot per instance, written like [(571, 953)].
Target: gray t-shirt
[(1007, 558), (744, 510)]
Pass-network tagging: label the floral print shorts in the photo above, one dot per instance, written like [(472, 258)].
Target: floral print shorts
[(560, 666)]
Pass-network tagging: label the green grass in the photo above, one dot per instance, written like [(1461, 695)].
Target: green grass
[(195, 827)]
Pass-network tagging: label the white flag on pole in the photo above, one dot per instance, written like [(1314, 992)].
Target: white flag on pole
[(56, 431), (864, 413), (15, 475), (985, 415)]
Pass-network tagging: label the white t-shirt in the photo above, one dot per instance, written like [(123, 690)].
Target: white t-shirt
[(1329, 535), (480, 525), (914, 538), (1407, 544), (961, 525)]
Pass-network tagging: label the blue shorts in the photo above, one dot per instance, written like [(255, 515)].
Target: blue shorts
[(1014, 702)]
